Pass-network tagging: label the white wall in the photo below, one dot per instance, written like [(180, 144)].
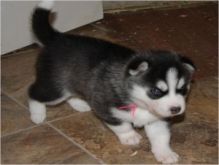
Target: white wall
[(16, 16)]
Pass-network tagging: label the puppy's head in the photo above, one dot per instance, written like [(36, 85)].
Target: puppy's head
[(159, 81)]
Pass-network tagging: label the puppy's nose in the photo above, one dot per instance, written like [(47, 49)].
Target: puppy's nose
[(175, 110)]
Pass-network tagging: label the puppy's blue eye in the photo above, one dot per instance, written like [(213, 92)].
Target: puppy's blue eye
[(183, 90), (156, 92)]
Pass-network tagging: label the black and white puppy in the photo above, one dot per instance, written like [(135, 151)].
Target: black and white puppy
[(121, 86)]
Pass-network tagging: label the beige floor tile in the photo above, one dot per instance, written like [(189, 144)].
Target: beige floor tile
[(18, 71), (13, 116), (41, 145), (203, 100)]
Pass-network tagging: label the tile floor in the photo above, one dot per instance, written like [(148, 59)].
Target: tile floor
[(71, 137)]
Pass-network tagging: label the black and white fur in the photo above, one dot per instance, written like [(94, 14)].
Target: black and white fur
[(94, 74)]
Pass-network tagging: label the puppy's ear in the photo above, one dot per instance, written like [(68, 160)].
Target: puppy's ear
[(188, 64), (137, 66)]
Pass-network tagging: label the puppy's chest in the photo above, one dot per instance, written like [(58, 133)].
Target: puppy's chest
[(142, 117), (139, 117)]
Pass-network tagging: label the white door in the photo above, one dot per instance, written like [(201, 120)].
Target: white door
[(16, 19)]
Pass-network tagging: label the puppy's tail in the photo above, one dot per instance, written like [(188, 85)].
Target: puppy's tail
[(40, 22)]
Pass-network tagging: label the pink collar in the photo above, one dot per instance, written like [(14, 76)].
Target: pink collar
[(131, 107)]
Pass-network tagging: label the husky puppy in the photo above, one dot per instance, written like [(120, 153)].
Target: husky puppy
[(122, 87)]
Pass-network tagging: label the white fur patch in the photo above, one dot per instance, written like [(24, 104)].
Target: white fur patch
[(79, 105), (166, 156), (173, 99), (162, 86), (159, 137), (130, 138), (37, 111), (46, 4), (126, 134), (172, 79), (138, 95), (141, 68), (189, 67), (181, 83)]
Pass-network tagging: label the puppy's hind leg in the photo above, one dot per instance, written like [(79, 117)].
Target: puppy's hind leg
[(79, 104), (37, 111), (39, 97)]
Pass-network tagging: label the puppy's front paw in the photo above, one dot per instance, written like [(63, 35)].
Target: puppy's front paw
[(166, 156), (79, 105), (130, 138)]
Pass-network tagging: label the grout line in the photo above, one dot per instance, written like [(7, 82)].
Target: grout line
[(75, 143), (22, 130), (37, 125), (15, 100), (60, 118)]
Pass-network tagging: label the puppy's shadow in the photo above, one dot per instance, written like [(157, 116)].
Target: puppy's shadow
[(176, 119)]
